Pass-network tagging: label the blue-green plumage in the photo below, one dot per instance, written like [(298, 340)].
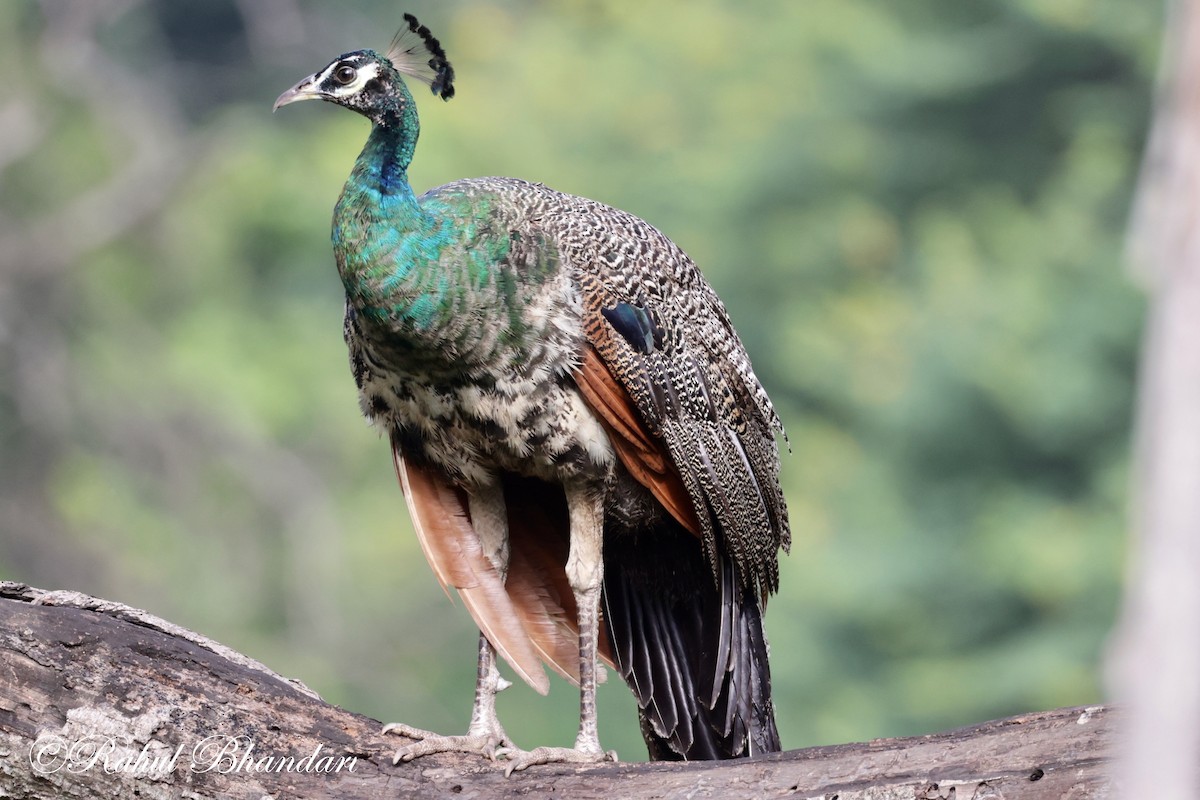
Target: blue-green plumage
[(634, 323), (556, 372)]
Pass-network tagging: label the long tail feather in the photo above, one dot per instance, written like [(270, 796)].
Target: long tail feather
[(693, 651)]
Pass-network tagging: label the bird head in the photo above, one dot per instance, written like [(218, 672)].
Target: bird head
[(371, 84)]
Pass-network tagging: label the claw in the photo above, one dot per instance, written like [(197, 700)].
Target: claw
[(407, 731), (428, 743), (522, 759)]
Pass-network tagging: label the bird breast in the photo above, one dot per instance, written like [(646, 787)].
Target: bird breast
[(501, 403)]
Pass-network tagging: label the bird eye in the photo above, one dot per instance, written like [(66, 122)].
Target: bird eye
[(344, 74)]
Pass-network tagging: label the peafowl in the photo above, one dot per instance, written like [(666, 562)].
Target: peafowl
[(584, 448)]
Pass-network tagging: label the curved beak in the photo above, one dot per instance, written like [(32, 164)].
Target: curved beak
[(304, 90)]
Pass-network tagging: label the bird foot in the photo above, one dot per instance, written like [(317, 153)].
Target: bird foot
[(485, 744), (521, 759)]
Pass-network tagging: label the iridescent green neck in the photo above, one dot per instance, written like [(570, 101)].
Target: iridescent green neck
[(383, 163), (385, 243)]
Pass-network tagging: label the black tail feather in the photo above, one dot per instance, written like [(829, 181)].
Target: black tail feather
[(692, 649)]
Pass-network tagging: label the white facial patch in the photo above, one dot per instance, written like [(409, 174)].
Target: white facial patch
[(364, 74)]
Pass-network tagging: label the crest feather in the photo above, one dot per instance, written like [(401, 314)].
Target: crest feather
[(417, 53)]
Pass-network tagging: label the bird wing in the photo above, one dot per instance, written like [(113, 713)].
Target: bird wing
[(539, 544), (453, 549), (531, 613), (638, 450), (664, 370)]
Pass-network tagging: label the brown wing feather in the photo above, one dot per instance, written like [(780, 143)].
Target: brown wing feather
[(642, 454), (454, 552), (539, 543)]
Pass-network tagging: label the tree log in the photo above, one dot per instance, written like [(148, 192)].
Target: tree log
[(102, 700)]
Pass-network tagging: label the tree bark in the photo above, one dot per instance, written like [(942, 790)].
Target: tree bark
[(102, 700), (1154, 660)]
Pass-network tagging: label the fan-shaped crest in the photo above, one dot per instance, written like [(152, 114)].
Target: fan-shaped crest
[(417, 53)]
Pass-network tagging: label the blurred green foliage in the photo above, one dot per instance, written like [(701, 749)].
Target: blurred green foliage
[(913, 210)]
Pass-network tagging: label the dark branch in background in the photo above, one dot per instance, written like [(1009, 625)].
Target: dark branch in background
[(74, 668)]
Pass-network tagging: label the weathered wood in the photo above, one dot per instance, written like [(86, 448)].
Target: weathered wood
[(77, 669)]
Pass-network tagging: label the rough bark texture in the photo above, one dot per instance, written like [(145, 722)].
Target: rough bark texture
[(76, 669)]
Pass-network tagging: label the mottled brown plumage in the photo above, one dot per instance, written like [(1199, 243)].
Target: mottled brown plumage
[(576, 425)]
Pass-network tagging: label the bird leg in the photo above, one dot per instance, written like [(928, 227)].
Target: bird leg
[(585, 573), (485, 735)]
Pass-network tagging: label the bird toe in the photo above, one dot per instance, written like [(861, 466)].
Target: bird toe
[(427, 743), (522, 759), (407, 731)]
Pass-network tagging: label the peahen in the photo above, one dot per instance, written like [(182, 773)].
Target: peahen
[(584, 448)]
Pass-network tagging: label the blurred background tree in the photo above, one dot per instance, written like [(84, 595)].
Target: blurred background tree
[(913, 210)]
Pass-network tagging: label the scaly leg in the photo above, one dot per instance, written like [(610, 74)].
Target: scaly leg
[(485, 735), (585, 573)]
